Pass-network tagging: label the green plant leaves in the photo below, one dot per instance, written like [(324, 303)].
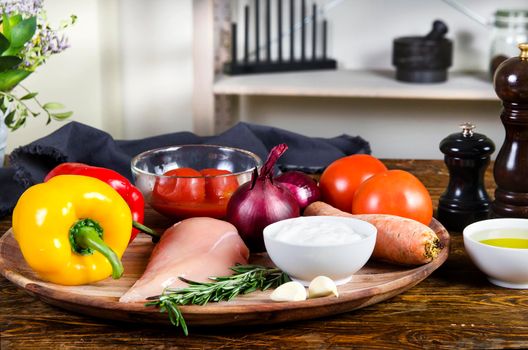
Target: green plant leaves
[(29, 96), (17, 32), (11, 78), (10, 119), (4, 43), (9, 62), (17, 111), (14, 20), (8, 22), (53, 105), (6, 26), (23, 32), (61, 116)]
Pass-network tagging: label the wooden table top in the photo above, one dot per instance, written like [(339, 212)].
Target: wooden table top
[(455, 307)]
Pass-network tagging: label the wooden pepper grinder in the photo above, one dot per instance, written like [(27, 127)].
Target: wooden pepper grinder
[(511, 165), (467, 155)]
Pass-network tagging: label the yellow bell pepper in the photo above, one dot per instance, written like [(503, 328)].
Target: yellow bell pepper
[(72, 229)]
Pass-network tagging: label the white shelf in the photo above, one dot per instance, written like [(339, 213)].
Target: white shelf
[(360, 84)]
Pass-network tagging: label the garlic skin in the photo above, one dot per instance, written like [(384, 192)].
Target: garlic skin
[(322, 286), (290, 291)]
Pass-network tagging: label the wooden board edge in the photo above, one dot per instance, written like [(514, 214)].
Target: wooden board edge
[(268, 314)]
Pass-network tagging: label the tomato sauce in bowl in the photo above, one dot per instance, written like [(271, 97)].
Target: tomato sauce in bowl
[(215, 210), (192, 180), (186, 192)]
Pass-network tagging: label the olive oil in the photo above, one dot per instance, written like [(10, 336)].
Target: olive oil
[(521, 243)]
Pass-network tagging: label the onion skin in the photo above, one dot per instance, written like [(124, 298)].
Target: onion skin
[(261, 202), (251, 213), (302, 186)]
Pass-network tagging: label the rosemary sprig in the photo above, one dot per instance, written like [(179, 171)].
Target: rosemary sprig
[(246, 279)]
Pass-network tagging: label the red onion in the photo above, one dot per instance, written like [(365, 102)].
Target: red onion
[(259, 203), (302, 186)]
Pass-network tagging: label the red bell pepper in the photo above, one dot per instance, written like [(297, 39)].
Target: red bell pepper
[(118, 182)]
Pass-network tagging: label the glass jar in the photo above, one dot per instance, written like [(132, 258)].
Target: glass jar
[(510, 28)]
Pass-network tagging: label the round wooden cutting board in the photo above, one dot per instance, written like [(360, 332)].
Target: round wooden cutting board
[(373, 283)]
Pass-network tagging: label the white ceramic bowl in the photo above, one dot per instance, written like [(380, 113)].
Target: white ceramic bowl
[(504, 267), (305, 261)]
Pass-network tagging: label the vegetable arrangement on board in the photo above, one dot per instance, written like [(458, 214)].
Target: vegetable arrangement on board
[(78, 236)]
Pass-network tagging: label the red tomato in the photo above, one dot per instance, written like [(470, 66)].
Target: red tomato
[(187, 188), (339, 181), (395, 192), (219, 187)]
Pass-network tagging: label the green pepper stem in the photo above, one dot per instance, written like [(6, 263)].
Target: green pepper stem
[(88, 238), (155, 236)]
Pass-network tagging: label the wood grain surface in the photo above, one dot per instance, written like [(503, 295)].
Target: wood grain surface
[(454, 308)]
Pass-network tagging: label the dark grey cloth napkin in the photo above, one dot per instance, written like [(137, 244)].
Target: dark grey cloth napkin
[(76, 142)]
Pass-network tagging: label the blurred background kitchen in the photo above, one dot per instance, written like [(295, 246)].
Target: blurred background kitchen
[(139, 68)]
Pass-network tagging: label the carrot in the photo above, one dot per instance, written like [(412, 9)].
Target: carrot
[(400, 240)]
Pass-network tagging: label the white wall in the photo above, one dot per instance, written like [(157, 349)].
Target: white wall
[(128, 70), (395, 128), (157, 66)]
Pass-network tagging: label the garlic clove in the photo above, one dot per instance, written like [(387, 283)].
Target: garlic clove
[(289, 291), (322, 286)]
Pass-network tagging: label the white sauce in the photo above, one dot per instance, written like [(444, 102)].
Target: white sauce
[(316, 233)]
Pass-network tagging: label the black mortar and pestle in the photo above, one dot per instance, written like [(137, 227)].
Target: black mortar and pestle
[(423, 59)]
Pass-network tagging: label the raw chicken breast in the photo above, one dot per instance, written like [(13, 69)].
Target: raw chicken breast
[(196, 249)]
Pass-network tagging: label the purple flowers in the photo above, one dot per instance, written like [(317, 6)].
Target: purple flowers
[(51, 42), (46, 42), (26, 8)]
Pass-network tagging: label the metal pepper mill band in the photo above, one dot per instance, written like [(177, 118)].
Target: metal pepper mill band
[(465, 200), (511, 165)]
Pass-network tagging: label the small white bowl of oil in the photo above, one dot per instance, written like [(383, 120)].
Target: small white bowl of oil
[(499, 248)]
